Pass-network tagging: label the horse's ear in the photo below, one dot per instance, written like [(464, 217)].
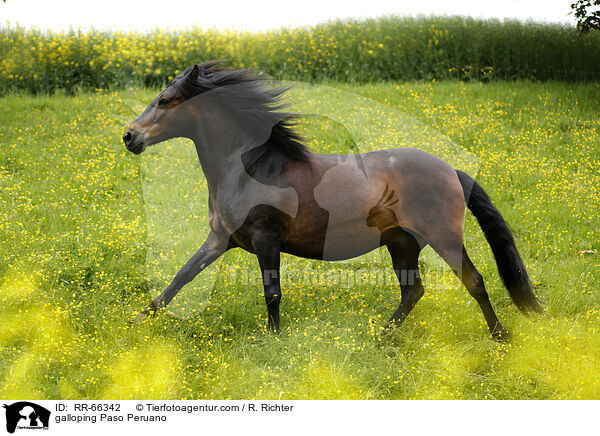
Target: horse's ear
[(193, 75)]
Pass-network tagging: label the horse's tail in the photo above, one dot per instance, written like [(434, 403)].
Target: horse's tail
[(498, 234)]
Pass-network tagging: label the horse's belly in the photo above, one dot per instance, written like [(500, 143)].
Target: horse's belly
[(345, 240)]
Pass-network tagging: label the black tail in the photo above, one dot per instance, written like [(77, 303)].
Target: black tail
[(498, 234)]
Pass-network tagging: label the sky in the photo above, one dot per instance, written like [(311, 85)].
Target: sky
[(256, 15)]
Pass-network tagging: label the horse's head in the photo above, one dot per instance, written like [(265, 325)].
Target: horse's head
[(212, 105), (166, 117)]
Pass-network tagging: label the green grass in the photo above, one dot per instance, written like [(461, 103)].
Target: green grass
[(89, 233)]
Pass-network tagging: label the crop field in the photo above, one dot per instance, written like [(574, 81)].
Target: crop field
[(89, 233), (379, 49)]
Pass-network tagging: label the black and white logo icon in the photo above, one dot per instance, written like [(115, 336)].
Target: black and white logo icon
[(26, 415)]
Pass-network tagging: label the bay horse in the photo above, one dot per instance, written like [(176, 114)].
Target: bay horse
[(269, 194)]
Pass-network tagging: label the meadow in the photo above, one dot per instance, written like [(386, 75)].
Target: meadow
[(89, 233)]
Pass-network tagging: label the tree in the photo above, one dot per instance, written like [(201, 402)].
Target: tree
[(587, 13)]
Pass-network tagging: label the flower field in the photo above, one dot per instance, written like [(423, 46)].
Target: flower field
[(388, 48), (89, 233)]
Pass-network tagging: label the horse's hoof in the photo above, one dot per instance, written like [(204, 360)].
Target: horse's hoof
[(389, 329), (502, 336), (142, 316), (138, 318), (387, 335)]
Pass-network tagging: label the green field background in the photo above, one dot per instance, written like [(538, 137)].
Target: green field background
[(89, 233), (378, 49)]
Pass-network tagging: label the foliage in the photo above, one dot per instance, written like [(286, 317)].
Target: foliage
[(387, 48), (587, 13), (74, 250)]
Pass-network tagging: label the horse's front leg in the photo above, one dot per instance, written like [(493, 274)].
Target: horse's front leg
[(267, 247), (211, 250)]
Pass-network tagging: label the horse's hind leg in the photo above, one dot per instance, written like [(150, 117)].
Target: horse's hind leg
[(463, 267), (405, 259)]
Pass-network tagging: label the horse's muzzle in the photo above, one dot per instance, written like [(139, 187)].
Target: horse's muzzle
[(132, 142)]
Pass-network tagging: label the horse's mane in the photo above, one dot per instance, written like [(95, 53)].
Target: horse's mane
[(251, 92)]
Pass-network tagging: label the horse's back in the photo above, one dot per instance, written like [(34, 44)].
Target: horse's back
[(366, 195)]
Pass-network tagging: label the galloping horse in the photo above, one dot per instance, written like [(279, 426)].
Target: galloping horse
[(268, 194)]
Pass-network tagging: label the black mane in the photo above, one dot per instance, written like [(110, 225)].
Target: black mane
[(283, 139)]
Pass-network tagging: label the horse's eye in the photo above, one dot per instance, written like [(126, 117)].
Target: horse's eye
[(163, 102)]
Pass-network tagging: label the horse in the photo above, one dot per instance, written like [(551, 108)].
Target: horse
[(269, 194)]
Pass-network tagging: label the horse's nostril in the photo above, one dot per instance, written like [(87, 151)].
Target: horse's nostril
[(127, 138)]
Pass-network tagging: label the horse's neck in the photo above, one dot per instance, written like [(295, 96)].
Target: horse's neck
[(220, 149), (234, 190), (221, 163), (231, 148)]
